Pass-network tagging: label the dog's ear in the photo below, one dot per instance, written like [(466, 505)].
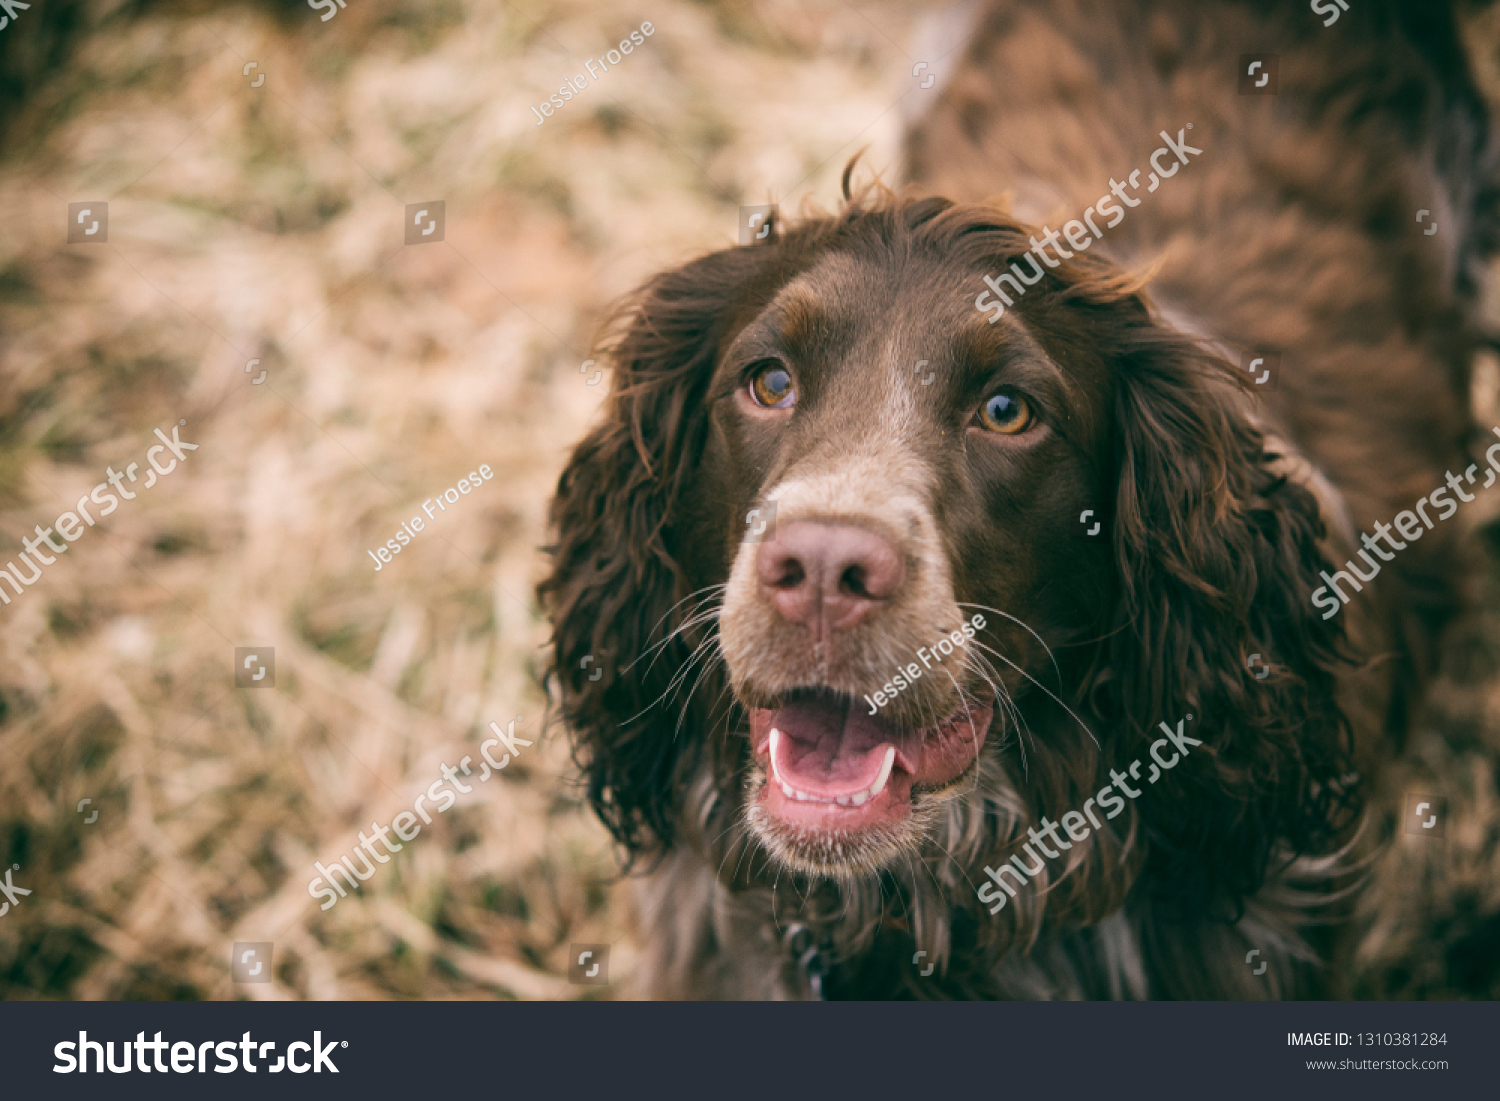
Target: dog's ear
[(614, 585), (1217, 555)]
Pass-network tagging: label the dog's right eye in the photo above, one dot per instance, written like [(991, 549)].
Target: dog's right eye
[(1006, 414), (771, 386)]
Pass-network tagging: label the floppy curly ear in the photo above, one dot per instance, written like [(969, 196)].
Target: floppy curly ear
[(1217, 556), (614, 581)]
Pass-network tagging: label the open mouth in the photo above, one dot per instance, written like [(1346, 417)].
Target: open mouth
[(831, 764)]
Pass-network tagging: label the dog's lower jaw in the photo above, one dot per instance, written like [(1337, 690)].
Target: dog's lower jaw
[(857, 855)]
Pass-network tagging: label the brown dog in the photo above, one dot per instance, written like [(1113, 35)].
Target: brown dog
[(1034, 666)]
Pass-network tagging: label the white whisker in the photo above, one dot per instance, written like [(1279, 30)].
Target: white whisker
[(1027, 629)]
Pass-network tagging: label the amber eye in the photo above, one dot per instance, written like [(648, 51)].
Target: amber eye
[(771, 386), (1007, 414)]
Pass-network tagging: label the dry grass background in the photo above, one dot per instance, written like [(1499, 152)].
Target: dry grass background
[(267, 223)]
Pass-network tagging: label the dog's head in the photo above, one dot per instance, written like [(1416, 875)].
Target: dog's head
[(894, 575)]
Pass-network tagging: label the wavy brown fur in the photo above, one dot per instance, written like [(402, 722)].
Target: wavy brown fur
[(1213, 556), (1216, 550)]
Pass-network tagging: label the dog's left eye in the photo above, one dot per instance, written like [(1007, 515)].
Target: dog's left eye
[(1007, 414), (771, 386)]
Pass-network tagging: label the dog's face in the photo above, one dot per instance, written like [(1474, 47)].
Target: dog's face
[(928, 469), (931, 463)]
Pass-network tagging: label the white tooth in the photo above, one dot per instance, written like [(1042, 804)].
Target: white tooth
[(885, 772), (775, 738), (786, 789), (843, 800), (859, 800)]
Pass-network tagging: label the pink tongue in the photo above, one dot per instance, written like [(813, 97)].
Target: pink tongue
[(831, 746)]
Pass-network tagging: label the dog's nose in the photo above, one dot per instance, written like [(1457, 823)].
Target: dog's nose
[(828, 576)]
